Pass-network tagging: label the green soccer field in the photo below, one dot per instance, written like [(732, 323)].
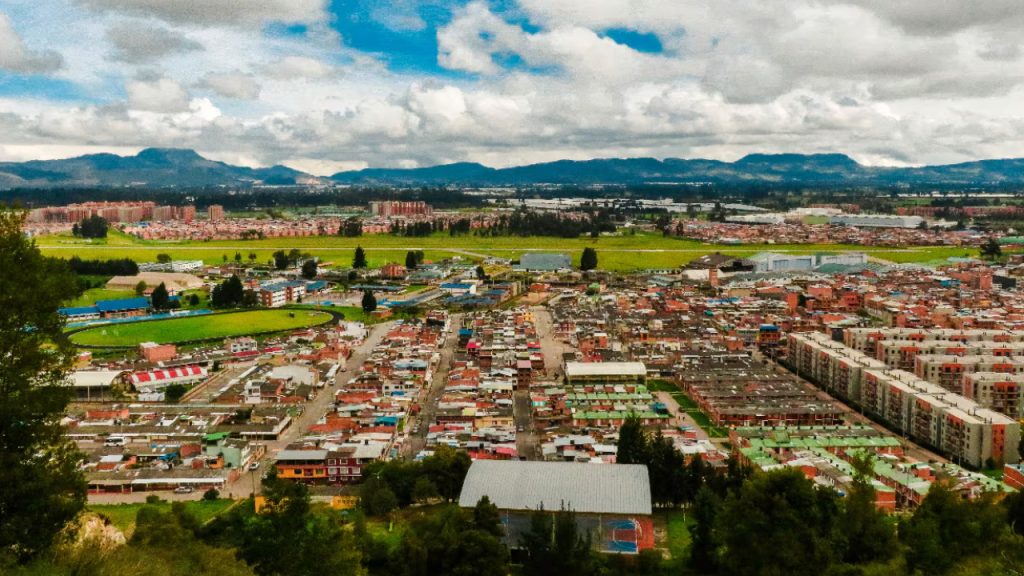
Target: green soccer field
[(209, 327)]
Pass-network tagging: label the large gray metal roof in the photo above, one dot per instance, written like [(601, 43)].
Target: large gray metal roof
[(584, 488)]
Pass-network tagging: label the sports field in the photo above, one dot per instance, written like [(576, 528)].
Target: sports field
[(616, 253), (211, 327)]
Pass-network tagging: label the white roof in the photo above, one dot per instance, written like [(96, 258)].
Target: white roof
[(605, 369), (93, 378), (583, 488)]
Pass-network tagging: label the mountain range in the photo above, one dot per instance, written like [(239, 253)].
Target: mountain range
[(173, 167)]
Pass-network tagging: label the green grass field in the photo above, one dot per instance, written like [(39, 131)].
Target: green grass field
[(617, 253), (123, 515), (686, 404), (199, 327)]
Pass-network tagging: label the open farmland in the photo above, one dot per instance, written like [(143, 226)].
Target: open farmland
[(617, 253), (209, 327)]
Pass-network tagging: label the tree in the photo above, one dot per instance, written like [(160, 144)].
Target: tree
[(410, 260), (250, 299), (211, 494), (193, 300), (163, 258), (252, 258), (140, 288), (778, 523), (481, 274), (555, 547), (309, 269), (280, 260), (990, 249), (869, 537), (160, 298), (238, 257), (369, 301), (42, 486), (288, 537), (174, 393), (359, 260), (588, 261), (704, 543), (632, 446), (92, 227), (424, 490)]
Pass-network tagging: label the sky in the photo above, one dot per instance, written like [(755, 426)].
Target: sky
[(330, 85)]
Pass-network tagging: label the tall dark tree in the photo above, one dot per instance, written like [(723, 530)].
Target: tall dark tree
[(991, 250), (309, 270), (870, 537), (632, 447), (704, 543), (280, 260), (160, 299), (779, 523), (359, 260), (588, 260), (555, 547), (94, 226), (369, 301), (42, 488), (410, 260)]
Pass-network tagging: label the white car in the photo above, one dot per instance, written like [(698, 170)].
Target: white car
[(184, 490), (254, 465)]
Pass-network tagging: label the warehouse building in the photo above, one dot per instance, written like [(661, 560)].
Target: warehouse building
[(611, 502), (583, 373)]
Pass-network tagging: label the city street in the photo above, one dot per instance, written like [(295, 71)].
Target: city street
[(430, 396)]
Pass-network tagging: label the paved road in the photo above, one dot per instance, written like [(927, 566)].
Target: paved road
[(527, 441), (431, 395), (312, 411)]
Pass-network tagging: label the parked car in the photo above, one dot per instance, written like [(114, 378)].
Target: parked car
[(184, 490), (254, 465)]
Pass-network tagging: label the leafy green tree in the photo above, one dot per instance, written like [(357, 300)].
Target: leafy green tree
[(588, 260), (163, 258), (160, 299), (452, 541), (991, 250), (309, 269), (554, 546), (869, 536), (704, 541), (359, 260), (632, 446), (447, 469), (174, 393), (946, 529), (481, 274), (252, 258), (288, 537), (42, 488), (369, 302), (410, 260), (238, 257), (424, 490), (778, 523), (140, 288), (280, 260), (94, 226)]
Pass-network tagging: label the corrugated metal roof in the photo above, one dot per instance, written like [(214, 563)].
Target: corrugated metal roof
[(584, 488), (301, 455)]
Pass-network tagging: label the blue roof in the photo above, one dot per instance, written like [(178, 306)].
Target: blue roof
[(457, 286), (122, 304), (79, 310), (316, 285)]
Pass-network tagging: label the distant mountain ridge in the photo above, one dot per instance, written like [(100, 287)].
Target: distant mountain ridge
[(176, 167)]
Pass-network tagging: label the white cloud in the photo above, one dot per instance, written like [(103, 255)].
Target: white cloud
[(157, 95), (217, 12), (293, 67), (16, 57), (137, 42), (232, 85)]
